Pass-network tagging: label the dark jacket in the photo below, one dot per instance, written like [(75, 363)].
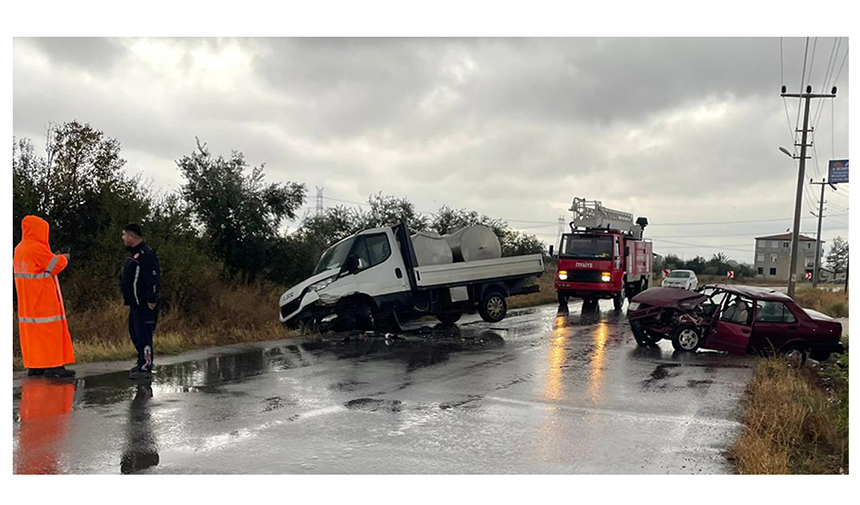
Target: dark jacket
[(140, 276)]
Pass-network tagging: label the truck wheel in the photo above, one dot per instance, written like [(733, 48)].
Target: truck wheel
[(449, 318), (686, 338), (493, 307), (562, 299), (618, 300)]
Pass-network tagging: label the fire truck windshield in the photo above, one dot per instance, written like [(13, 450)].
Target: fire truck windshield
[(585, 247)]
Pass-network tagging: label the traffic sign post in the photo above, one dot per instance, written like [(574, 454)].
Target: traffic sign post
[(837, 172)]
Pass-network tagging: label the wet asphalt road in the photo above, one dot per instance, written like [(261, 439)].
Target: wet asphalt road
[(536, 393)]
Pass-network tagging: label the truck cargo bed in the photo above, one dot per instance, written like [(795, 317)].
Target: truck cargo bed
[(473, 271)]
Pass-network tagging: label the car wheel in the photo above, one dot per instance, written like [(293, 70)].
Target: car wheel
[(493, 307), (686, 338), (449, 318), (794, 355)]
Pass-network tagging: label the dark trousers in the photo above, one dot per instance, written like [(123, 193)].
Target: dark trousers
[(141, 326)]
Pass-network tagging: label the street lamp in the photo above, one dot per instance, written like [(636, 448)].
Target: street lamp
[(784, 150)]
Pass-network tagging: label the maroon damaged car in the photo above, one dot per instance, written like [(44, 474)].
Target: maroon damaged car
[(735, 319)]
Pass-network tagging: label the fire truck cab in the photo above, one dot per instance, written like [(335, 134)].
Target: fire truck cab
[(603, 256)]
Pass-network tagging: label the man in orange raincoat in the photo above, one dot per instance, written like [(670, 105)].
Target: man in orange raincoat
[(44, 332)]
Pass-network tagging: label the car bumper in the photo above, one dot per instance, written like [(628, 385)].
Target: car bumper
[(835, 347)]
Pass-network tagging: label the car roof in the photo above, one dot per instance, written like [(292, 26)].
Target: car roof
[(759, 293)]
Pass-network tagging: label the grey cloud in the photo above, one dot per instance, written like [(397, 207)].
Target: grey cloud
[(511, 127), (89, 53)]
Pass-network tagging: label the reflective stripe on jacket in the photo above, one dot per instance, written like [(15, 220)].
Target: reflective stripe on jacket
[(44, 331)]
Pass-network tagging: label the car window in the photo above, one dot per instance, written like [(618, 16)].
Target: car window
[(738, 310), (715, 298), (773, 312), (371, 250), (377, 246), (679, 275)]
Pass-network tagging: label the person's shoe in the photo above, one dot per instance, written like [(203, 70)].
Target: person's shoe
[(59, 371), (138, 374), (35, 372)]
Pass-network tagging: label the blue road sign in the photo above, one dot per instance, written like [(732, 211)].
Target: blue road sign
[(837, 171)]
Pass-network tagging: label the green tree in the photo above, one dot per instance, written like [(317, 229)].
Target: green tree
[(837, 257), (239, 214), (448, 220), (515, 243), (388, 211), (81, 189)]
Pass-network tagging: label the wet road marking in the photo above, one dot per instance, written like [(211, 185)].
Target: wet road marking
[(687, 419)]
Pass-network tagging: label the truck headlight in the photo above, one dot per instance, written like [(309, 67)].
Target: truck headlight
[(321, 284), (562, 275), (606, 276)]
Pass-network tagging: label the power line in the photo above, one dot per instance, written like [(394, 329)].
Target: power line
[(784, 102), (727, 222), (705, 246), (802, 82)]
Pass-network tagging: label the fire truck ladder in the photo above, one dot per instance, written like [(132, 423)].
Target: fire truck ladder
[(591, 214)]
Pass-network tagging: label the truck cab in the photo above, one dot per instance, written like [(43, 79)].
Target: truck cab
[(372, 280), (603, 257)]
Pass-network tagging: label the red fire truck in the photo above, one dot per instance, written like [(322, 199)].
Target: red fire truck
[(604, 256)]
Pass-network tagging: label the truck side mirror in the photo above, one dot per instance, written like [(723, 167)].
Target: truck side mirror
[(550, 251), (627, 250), (352, 264)]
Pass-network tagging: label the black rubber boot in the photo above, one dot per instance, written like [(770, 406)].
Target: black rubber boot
[(59, 371), (140, 375), (35, 372)]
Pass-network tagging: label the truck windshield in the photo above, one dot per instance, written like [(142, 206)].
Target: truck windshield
[(583, 247), (334, 256)]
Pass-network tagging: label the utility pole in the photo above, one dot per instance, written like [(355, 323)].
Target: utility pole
[(560, 232), (792, 273), (817, 269)]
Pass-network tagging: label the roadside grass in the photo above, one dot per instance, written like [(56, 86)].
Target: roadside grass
[(832, 303), (546, 294), (796, 421), (237, 314)]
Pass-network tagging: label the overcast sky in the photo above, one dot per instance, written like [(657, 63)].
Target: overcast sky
[(679, 130)]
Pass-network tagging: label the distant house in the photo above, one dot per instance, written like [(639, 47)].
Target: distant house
[(773, 256)]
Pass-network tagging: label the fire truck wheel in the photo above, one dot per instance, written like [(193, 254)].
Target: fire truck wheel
[(618, 300), (493, 307), (686, 338), (562, 299)]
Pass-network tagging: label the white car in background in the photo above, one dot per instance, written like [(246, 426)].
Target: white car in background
[(684, 279)]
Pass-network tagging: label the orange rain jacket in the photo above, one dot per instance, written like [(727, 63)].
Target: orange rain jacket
[(44, 331)]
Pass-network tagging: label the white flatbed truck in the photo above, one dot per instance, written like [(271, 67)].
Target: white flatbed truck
[(372, 281)]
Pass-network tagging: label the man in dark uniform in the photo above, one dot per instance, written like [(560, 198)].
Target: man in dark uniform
[(140, 278)]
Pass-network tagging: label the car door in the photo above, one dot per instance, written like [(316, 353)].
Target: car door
[(380, 268), (774, 325), (732, 328)]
